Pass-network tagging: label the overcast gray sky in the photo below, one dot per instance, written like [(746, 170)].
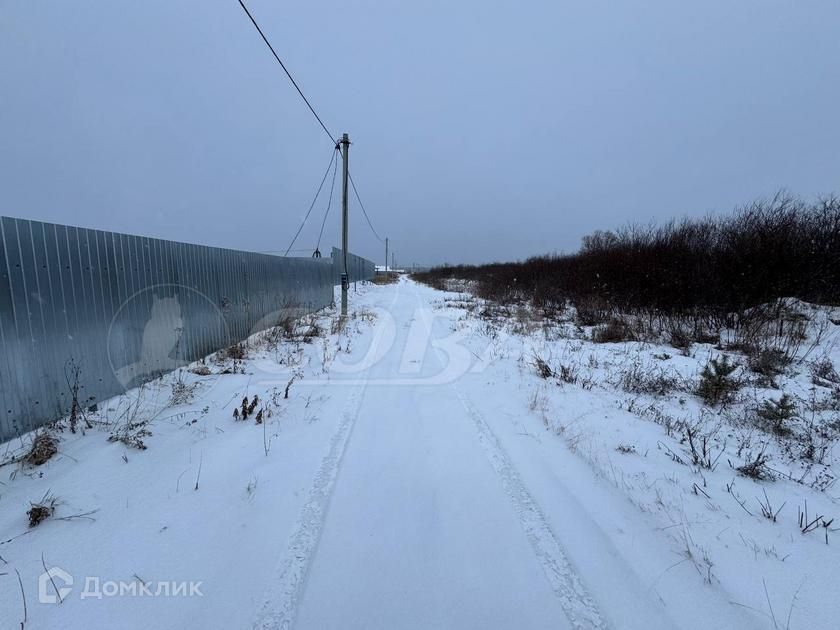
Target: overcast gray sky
[(482, 130)]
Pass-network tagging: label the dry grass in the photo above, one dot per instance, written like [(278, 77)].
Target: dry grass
[(44, 446), (542, 367), (386, 278), (236, 352), (616, 330), (41, 510), (201, 370)]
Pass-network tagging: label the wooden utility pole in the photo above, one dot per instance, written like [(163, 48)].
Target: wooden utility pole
[(386, 255), (345, 278)]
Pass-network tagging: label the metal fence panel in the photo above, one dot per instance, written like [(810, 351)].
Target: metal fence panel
[(358, 268), (124, 309)]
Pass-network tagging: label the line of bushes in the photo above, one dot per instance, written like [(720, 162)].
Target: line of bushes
[(712, 266)]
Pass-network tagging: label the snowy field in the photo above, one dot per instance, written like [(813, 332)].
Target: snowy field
[(439, 463)]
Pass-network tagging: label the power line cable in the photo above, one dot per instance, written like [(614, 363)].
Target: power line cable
[(323, 126), (326, 130), (286, 70), (362, 206), (279, 251), (329, 204), (312, 205)]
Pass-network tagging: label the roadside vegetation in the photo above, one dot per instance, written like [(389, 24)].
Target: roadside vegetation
[(295, 345), (704, 352), (749, 297), (390, 277), (690, 278)]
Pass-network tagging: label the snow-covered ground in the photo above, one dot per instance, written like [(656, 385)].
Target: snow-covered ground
[(422, 473)]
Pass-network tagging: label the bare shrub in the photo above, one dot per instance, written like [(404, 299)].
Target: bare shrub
[(182, 392), (707, 271), (591, 310), (132, 434), (291, 327), (814, 441), (823, 373), (768, 362), (757, 468), (237, 352), (615, 330), (680, 339), (640, 379), (72, 376), (133, 429), (770, 334), (700, 446)]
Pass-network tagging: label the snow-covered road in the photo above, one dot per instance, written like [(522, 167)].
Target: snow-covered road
[(423, 518), (403, 484), (422, 529)]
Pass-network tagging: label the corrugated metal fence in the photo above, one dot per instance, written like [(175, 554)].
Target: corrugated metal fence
[(120, 310)]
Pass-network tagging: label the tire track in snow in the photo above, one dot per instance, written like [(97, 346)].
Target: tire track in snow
[(281, 601), (280, 605), (577, 603)]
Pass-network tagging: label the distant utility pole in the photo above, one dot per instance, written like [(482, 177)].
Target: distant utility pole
[(345, 278), (386, 254), (393, 260)]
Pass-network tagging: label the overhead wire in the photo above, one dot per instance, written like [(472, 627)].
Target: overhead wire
[(286, 70), (315, 199), (362, 206), (326, 130), (329, 204)]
